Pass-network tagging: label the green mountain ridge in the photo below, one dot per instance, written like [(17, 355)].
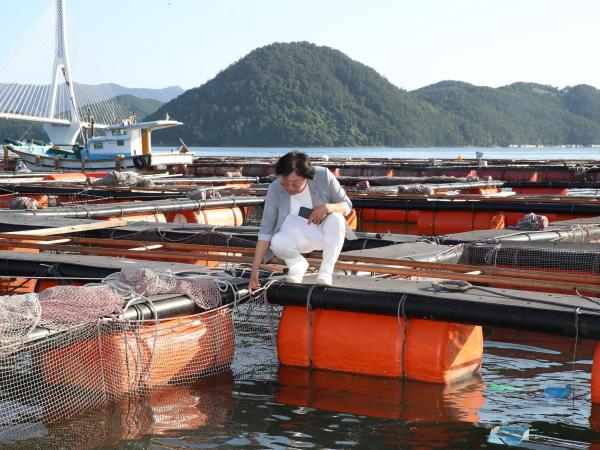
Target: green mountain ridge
[(301, 94)]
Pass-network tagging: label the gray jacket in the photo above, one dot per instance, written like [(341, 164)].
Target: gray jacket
[(324, 188)]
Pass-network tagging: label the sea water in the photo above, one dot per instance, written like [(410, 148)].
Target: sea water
[(259, 405), (518, 153)]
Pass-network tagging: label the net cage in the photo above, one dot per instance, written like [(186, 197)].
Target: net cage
[(572, 251), (63, 358)]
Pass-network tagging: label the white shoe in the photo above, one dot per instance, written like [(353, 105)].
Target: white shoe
[(325, 280), (293, 279), (297, 270)]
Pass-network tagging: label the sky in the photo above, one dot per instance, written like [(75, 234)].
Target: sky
[(159, 43)]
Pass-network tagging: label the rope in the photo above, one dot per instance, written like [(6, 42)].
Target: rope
[(577, 313), (403, 331), (309, 322)]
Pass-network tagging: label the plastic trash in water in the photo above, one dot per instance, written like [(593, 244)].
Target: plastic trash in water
[(502, 387), (558, 391), (508, 435)]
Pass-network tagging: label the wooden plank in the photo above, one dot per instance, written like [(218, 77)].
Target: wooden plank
[(199, 250), (568, 286), (101, 224)]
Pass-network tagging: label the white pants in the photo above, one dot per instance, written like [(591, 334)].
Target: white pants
[(289, 244)]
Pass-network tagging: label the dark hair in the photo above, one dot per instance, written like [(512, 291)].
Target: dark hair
[(295, 162)]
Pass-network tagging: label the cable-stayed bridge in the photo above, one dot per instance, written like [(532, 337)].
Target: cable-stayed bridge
[(36, 83)]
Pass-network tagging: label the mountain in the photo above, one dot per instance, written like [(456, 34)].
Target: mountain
[(300, 94), (16, 129), (162, 95), (141, 106), (521, 113)]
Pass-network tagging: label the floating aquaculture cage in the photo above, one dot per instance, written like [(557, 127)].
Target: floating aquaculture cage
[(575, 258), (71, 349)]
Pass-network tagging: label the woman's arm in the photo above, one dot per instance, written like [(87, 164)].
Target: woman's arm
[(259, 254)]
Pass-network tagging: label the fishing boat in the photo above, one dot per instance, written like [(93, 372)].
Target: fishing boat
[(123, 146), (111, 137)]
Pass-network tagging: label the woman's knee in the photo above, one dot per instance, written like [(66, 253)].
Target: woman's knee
[(334, 221), (281, 244)]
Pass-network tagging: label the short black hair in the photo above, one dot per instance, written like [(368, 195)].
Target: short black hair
[(295, 162)]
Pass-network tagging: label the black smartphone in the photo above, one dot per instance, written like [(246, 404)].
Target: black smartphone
[(305, 212)]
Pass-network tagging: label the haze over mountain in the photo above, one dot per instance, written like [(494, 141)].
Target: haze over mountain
[(161, 94)]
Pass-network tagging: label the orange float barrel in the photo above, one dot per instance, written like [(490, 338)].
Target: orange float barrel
[(383, 215), (216, 216), (541, 191), (370, 226), (141, 356), (596, 376), (156, 217), (352, 219), (482, 191), (67, 176), (445, 222), (372, 344)]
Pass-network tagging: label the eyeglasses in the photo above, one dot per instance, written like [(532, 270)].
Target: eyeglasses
[(293, 184)]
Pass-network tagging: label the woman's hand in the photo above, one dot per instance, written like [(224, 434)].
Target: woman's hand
[(318, 214), (254, 284)]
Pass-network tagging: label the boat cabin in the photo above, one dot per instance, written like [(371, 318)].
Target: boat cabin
[(129, 138)]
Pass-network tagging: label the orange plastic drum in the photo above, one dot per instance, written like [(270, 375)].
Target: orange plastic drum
[(217, 216), (436, 223), (153, 355), (436, 352), (352, 219)]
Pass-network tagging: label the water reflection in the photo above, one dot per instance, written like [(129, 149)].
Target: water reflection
[(160, 412), (302, 408), (389, 398)]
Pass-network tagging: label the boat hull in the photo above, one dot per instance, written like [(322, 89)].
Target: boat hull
[(152, 161)]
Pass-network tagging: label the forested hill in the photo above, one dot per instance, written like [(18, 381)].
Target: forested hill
[(300, 94), (521, 113)]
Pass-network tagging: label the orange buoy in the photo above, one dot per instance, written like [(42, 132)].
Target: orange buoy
[(482, 191), (541, 191), (122, 361), (596, 376), (217, 216), (95, 174), (352, 219), (369, 226), (436, 352), (156, 217), (66, 176), (14, 286), (383, 215), (445, 222)]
